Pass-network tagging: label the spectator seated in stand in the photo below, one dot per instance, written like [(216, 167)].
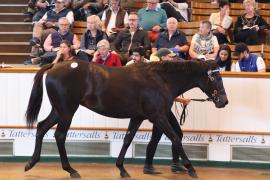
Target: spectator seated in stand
[(224, 59), (172, 38), (152, 19), (204, 44), (114, 20), (49, 24), (221, 22), (65, 53), (163, 54), (249, 25), (130, 38), (90, 38), (137, 56), (104, 56), (52, 43), (36, 9), (175, 8), (247, 62), (84, 8)]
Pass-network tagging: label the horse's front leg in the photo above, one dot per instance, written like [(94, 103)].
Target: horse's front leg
[(42, 129), (175, 166), (133, 126)]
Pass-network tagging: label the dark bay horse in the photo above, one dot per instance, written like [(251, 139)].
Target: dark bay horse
[(140, 91)]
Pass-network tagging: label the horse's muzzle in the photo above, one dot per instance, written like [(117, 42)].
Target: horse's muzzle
[(221, 101)]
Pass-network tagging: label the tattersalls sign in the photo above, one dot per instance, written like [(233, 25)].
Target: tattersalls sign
[(144, 136)]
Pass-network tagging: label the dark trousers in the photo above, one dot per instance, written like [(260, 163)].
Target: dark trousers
[(171, 12), (84, 56), (222, 38), (250, 37)]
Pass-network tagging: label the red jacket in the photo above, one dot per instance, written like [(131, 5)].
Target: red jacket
[(112, 60)]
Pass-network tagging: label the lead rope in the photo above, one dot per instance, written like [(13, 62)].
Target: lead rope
[(182, 117)]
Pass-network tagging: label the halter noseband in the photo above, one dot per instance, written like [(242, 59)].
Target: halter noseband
[(214, 96)]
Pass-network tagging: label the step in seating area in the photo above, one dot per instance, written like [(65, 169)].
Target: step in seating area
[(14, 33)]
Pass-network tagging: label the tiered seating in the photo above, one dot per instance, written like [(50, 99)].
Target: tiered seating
[(79, 27), (189, 28), (201, 11)]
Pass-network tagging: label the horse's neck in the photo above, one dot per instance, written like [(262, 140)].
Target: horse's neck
[(186, 85), (182, 82)]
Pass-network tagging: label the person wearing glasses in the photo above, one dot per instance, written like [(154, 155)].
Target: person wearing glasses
[(49, 22), (104, 56), (152, 19), (130, 38), (52, 43)]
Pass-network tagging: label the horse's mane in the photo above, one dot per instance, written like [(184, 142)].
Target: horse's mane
[(189, 66)]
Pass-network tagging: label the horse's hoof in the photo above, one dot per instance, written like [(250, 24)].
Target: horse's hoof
[(150, 170), (75, 175), (124, 175), (192, 174), (28, 166), (177, 168)]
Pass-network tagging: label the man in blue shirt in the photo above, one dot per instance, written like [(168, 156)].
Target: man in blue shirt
[(248, 62)]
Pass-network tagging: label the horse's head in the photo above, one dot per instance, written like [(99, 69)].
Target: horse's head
[(212, 85)]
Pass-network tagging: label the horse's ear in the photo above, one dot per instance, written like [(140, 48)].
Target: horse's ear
[(212, 64)]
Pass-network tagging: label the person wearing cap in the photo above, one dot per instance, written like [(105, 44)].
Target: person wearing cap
[(104, 56), (204, 45), (53, 41), (138, 54), (247, 62), (36, 9), (172, 38), (163, 54), (49, 24)]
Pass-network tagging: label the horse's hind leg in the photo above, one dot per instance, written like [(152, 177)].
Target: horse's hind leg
[(134, 125), (42, 129), (60, 136)]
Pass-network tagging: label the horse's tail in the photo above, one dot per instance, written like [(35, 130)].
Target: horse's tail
[(35, 100)]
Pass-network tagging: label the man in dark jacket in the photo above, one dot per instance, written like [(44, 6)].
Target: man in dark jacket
[(131, 38), (172, 38)]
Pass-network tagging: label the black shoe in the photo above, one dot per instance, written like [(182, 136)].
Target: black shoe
[(27, 61), (150, 170), (175, 167), (34, 42)]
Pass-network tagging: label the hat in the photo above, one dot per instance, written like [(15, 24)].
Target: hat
[(240, 48), (165, 52), (175, 51)]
